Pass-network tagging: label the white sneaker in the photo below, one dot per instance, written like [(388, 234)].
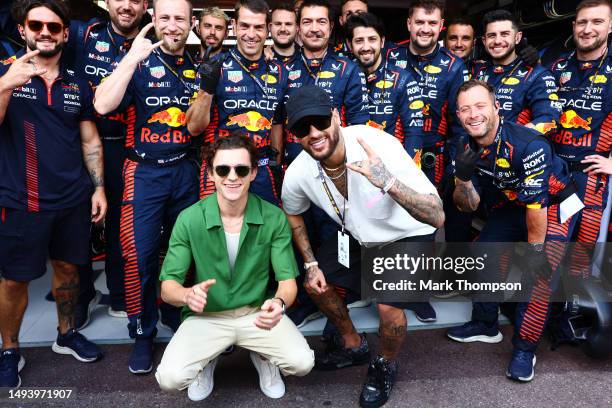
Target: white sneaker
[(270, 380), (203, 384), (122, 314)]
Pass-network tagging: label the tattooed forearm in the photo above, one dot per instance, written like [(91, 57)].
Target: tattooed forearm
[(426, 208), (392, 335), (465, 196), (94, 163), (300, 237), (334, 309)]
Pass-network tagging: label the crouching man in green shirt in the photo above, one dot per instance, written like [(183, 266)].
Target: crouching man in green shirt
[(232, 237)]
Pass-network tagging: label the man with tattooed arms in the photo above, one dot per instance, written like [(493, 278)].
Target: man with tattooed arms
[(52, 184), (366, 182)]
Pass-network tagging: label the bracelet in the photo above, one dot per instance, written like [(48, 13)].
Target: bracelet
[(308, 265), (390, 184)]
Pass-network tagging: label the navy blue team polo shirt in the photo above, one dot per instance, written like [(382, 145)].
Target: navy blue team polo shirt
[(41, 161)]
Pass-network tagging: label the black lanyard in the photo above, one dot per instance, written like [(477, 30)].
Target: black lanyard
[(381, 99), (331, 197), (312, 74), (499, 85), (264, 86), (173, 71), (593, 77)]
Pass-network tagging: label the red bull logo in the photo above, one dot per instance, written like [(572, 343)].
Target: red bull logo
[(173, 117), (511, 195), (252, 121), (571, 120), (426, 110), (375, 125), (546, 127)]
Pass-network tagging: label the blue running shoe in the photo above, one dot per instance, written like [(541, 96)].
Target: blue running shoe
[(141, 359), (521, 367), (11, 363), (475, 331), (75, 344)]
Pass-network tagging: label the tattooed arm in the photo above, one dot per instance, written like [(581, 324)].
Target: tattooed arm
[(465, 196), (315, 280), (426, 208), (93, 157)]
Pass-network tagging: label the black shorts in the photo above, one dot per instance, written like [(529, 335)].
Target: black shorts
[(28, 239), (350, 278)]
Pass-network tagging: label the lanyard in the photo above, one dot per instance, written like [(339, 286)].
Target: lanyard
[(593, 77), (331, 197), (120, 48), (381, 99), (173, 71), (264, 86), (497, 139), (504, 78), (312, 74)]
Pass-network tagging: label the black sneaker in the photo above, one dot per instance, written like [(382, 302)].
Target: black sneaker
[(141, 359), (83, 310), (75, 344), (423, 311), (378, 386), (339, 357), (11, 363)]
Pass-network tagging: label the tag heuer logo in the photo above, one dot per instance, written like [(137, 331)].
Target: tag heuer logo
[(157, 72), (102, 46), (234, 76), (566, 76), (293, 75)]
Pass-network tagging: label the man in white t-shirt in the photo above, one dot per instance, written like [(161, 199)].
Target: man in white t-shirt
[(364, 180)]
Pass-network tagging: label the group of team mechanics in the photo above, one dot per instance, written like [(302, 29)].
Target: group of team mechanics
[(120, 108)]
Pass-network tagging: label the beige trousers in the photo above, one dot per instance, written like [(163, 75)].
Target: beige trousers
[(200, 339)]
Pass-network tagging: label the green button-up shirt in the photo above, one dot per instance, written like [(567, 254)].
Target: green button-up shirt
[(198, 235)]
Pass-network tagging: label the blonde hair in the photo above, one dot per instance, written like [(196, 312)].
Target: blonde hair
[(215, 12)]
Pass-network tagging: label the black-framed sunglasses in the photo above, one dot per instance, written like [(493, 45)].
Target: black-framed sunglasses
[(241, 170), (37, 26), (302, 128)]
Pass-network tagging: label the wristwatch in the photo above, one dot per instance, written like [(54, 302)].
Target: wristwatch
[(284, 305)]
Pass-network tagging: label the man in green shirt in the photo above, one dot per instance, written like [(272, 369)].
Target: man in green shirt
[(231, 237)]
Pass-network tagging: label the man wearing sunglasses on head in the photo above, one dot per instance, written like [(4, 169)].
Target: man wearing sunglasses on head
[(51, 163), (228, 303), (159, 79), (367, 183)]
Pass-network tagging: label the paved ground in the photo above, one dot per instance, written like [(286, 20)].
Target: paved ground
[(434, 372)]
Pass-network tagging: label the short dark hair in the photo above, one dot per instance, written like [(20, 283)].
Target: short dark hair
[(498, 15), (367, 20), (256, 6), (21, 8), (592, 3), (473, 83), (316, 3), (460, 20), (343, 2), (283, 5), (236, 140), (428, 5)]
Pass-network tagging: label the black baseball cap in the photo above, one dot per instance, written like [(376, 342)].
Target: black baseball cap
[(308, 100)]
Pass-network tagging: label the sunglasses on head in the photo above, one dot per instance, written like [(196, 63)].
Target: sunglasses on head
[(37, 26), (302, 128), (241, 170)]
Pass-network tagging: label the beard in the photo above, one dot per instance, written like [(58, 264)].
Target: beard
[(171, 45), (511, 49), (284, 45), (598, 43), (125, 28), (370, 63), (423, 47), (31, 43), (214, 48)]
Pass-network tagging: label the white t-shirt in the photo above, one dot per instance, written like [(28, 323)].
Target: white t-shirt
[(232, 241), (386, 220)]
